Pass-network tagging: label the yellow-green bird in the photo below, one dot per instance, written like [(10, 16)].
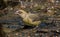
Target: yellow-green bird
[(31, 19)]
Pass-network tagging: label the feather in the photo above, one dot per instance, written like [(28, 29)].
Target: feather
[(28, 17)]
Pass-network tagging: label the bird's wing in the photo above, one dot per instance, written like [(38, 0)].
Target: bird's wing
[(34, 17)]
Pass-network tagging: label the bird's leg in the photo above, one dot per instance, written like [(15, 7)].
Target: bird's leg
[(34, 29)]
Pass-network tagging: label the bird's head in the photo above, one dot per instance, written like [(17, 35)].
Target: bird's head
[(21, 13), (18, 12)]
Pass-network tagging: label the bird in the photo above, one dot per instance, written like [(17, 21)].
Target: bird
[(30, 19)]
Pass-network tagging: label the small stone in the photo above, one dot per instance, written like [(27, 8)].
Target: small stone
[(16, 33), (57, 1), (28, 36)]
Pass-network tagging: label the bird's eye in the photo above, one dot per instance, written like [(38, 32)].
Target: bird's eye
[(19, 12)]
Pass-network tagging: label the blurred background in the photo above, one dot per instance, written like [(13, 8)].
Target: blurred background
[(12, 25)]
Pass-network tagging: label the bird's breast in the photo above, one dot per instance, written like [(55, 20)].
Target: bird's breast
[(28, 19)]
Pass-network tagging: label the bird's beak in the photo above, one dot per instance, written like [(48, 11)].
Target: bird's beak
[(16, 12)]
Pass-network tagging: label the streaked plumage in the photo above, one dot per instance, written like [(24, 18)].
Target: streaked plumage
[(29, 18)]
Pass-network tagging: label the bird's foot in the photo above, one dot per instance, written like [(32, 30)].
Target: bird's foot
[(34, 29)]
